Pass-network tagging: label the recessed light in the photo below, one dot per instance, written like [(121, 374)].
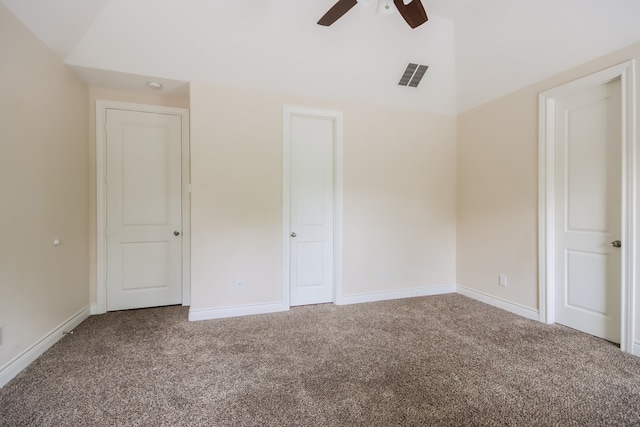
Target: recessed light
[(155, 85)]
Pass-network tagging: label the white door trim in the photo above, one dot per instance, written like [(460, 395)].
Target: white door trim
[(287, 112), (101, 252), (546, 188)]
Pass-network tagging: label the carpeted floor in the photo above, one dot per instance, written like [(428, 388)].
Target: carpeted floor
[(434, 361)]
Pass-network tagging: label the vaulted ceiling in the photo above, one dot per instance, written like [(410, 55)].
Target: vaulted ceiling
[(477, 50)]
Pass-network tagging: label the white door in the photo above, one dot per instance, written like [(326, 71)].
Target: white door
[(143, 209), (312, 209), (588, 211)]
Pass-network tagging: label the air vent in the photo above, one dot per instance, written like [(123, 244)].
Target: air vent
[(412, 75)]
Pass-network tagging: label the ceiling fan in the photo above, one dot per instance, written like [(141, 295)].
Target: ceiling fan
[(411, 10)]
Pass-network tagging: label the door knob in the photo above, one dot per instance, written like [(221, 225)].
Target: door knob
[(176, 233), (293, 234), (616, 243)]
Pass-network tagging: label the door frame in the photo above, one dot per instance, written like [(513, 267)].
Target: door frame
[(289, 111), (101, 203), (546, 193)]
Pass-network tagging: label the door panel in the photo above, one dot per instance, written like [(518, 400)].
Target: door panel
[(312, 140), (310, 264), (589, 211), (143, 265), (143, 201), (585, 274), (144, 176)]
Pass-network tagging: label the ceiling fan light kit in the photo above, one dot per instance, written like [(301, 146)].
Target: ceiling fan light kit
[(385, 7), (411, 10)]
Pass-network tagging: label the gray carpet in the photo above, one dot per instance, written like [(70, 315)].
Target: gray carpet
[(443, 361)]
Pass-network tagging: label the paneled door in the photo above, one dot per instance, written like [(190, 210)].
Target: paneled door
[(143, 209), (312, 209), (588, 210)]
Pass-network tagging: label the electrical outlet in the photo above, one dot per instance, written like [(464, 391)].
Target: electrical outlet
[(384, 274), (502, 280), (239, 285)]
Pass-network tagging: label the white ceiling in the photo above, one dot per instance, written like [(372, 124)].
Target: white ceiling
[(477, 50)]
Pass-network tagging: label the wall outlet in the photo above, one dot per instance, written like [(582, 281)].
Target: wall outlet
[(239, 285), (502, 280), (384, 274)]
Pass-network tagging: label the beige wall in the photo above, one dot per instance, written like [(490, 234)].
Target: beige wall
[(498, 189), (44, 189), (497, 199), (399, 196), (96, 93), (399, 199)]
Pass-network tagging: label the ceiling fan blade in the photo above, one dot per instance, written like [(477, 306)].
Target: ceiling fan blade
[(413, 12), (336, 12)]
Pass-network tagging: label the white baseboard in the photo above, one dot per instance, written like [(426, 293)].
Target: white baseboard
[(93, 309), (15, 366), (518, 309), (404, 293), (635, 349), (244, 310)]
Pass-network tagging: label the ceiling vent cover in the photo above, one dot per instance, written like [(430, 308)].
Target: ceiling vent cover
[(412, 75)]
